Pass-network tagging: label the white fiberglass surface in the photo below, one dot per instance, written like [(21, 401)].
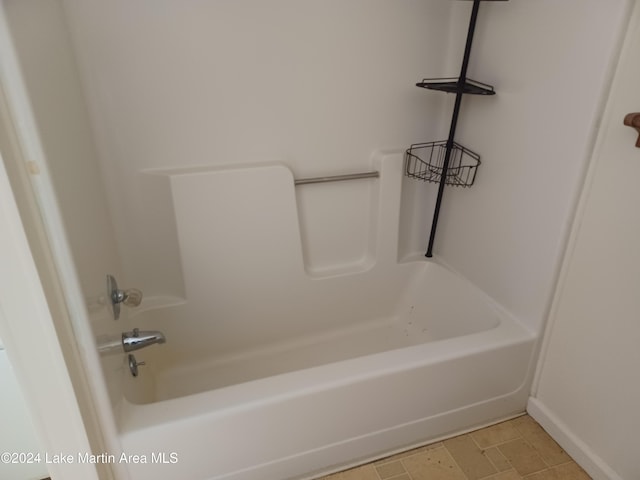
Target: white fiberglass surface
[(251, 313), (436, 305), (313, 419), (306, 353)]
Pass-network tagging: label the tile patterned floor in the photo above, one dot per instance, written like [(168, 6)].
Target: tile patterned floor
[(513, 450)]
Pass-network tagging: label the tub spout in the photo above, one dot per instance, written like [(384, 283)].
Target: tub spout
[(137, 339)]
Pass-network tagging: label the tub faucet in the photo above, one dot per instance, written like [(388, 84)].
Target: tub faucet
[(137, 339)]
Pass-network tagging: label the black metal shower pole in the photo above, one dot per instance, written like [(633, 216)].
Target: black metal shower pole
[(454, 122)]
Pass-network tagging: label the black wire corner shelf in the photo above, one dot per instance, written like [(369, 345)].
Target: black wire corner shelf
[(446, 162), (425, 161), (450, 85)]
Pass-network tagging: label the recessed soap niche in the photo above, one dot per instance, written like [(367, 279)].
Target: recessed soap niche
[(338, 223)]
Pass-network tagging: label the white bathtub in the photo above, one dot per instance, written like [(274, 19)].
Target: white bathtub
[(449, 361), (298, 358)]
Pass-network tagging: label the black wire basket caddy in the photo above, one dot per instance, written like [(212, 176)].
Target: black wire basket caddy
[(425, 161)]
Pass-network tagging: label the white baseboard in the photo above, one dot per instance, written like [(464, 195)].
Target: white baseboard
[(595, 466)]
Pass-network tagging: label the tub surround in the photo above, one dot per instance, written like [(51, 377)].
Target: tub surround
[(248, 288), (247, 280), (243, 84), (300, 391)]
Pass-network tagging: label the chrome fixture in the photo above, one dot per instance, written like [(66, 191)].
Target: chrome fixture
[(131, 297), (336, 178), (135, 340), (134, 364)]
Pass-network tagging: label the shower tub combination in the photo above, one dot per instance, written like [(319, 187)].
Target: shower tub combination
[(304, 368)]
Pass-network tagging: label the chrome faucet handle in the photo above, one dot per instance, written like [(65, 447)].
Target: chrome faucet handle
[(134, 364), (131, 297)]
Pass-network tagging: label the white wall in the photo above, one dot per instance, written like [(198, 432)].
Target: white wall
[(48, 66), (548, 61), (318, 86), (46, 125), (41, 40), (39, 362), (588, 392), (16, 430)]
